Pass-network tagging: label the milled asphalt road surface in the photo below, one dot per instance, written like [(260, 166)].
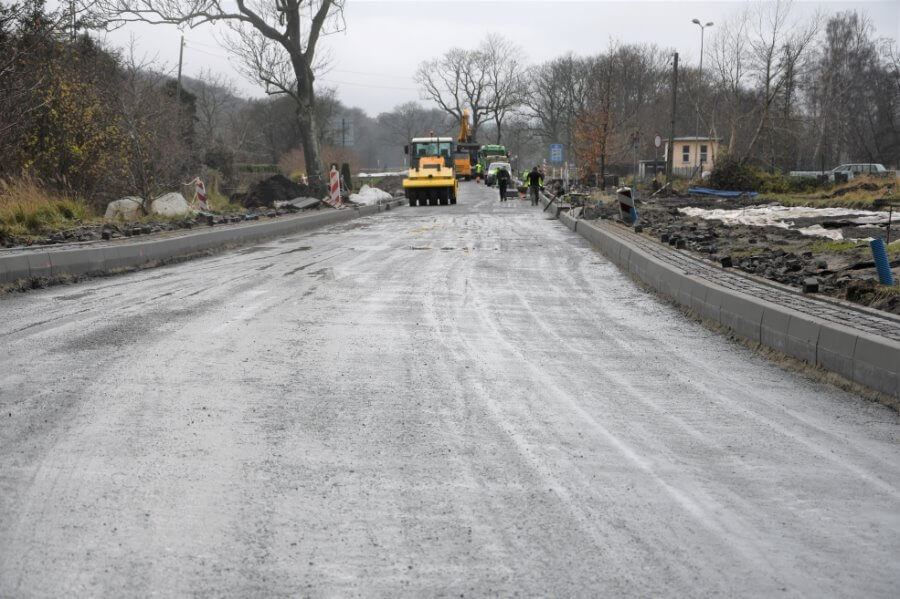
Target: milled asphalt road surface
[(446, 401)]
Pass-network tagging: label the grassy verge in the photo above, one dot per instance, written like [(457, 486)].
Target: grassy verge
[(861, 192), (220, 203), (823, 246), (820, 246), (28, 210)]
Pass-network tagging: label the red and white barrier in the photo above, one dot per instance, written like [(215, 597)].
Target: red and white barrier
[(200, 194), (334, 178)]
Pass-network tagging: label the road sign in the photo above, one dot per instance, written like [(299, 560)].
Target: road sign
[(657, 141), (556, 153)]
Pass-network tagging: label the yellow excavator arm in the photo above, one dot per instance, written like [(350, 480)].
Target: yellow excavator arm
[(464, 133)]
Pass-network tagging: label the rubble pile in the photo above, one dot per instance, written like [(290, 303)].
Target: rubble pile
[(265, 193), (841, 268)]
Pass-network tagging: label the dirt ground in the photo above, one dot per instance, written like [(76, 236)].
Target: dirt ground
[(843, 269)]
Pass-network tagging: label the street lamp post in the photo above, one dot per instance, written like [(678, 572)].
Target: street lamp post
[(699, 83)]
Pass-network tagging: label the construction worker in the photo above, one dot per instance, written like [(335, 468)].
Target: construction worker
[(478, 169), (503, 182), (535, 182)]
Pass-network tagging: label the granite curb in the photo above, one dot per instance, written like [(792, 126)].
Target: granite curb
[(858, 356)]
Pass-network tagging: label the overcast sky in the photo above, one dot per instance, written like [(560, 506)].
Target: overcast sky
[(373, 60)]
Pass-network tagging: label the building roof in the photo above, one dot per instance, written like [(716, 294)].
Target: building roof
[(695, 138)]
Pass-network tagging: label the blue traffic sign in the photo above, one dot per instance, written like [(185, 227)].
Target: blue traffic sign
[(556, 153)]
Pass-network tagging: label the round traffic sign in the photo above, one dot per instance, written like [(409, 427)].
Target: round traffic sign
[(657, 141)]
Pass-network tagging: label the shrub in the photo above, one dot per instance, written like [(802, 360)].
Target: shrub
[(221, 158), (730, 174)]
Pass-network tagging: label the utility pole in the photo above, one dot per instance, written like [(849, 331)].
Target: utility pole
[(178, 86), (699, 86), (635, 136), (671, 151), (74, 21)]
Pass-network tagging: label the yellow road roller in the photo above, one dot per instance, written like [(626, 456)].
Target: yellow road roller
[(431, 179)]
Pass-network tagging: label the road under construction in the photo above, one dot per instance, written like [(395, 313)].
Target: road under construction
[(467, 400)]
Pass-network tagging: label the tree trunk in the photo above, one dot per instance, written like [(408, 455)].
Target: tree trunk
[(309, 138), (309, 129)]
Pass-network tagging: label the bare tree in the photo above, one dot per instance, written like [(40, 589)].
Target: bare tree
[(215, 95), (557, 93), (156, 157), (505, 70), (728, 57), (854, 94), (274, 40), (776, 47), (410, 119), (457, 80)]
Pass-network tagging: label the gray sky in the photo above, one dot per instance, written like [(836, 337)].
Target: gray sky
[(373, 60)]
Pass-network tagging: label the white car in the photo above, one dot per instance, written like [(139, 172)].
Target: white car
[(844, 171), (490, 177), (851, 170)]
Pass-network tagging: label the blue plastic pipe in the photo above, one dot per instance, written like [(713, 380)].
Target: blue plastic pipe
[(882, 264)]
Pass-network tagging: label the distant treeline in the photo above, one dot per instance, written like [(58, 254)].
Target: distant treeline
[(781, 94)]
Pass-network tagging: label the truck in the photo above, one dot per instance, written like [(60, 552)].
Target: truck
[(431, 179), (492, 153)]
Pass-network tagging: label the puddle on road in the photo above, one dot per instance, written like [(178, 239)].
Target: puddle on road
[(419, 247)]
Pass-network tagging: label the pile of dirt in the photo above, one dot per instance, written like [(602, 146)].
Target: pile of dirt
[(264, 194), (861, 186)]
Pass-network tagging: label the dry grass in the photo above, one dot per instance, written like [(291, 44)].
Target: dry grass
[(821, 246), (28, 209), (219, 202), (860, 192)]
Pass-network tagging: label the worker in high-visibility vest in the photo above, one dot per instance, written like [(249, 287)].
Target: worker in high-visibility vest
[(478, 169), (534, 181)]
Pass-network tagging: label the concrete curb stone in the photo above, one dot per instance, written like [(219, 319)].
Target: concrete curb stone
[(860, 357)]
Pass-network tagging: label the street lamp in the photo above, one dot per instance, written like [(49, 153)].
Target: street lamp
[(699, 82)]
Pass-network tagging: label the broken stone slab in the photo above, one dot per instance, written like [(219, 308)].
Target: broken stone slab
[(300, 203), (811, 285)]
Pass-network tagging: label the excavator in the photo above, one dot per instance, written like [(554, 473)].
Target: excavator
[(431, 178), (466, 154)]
